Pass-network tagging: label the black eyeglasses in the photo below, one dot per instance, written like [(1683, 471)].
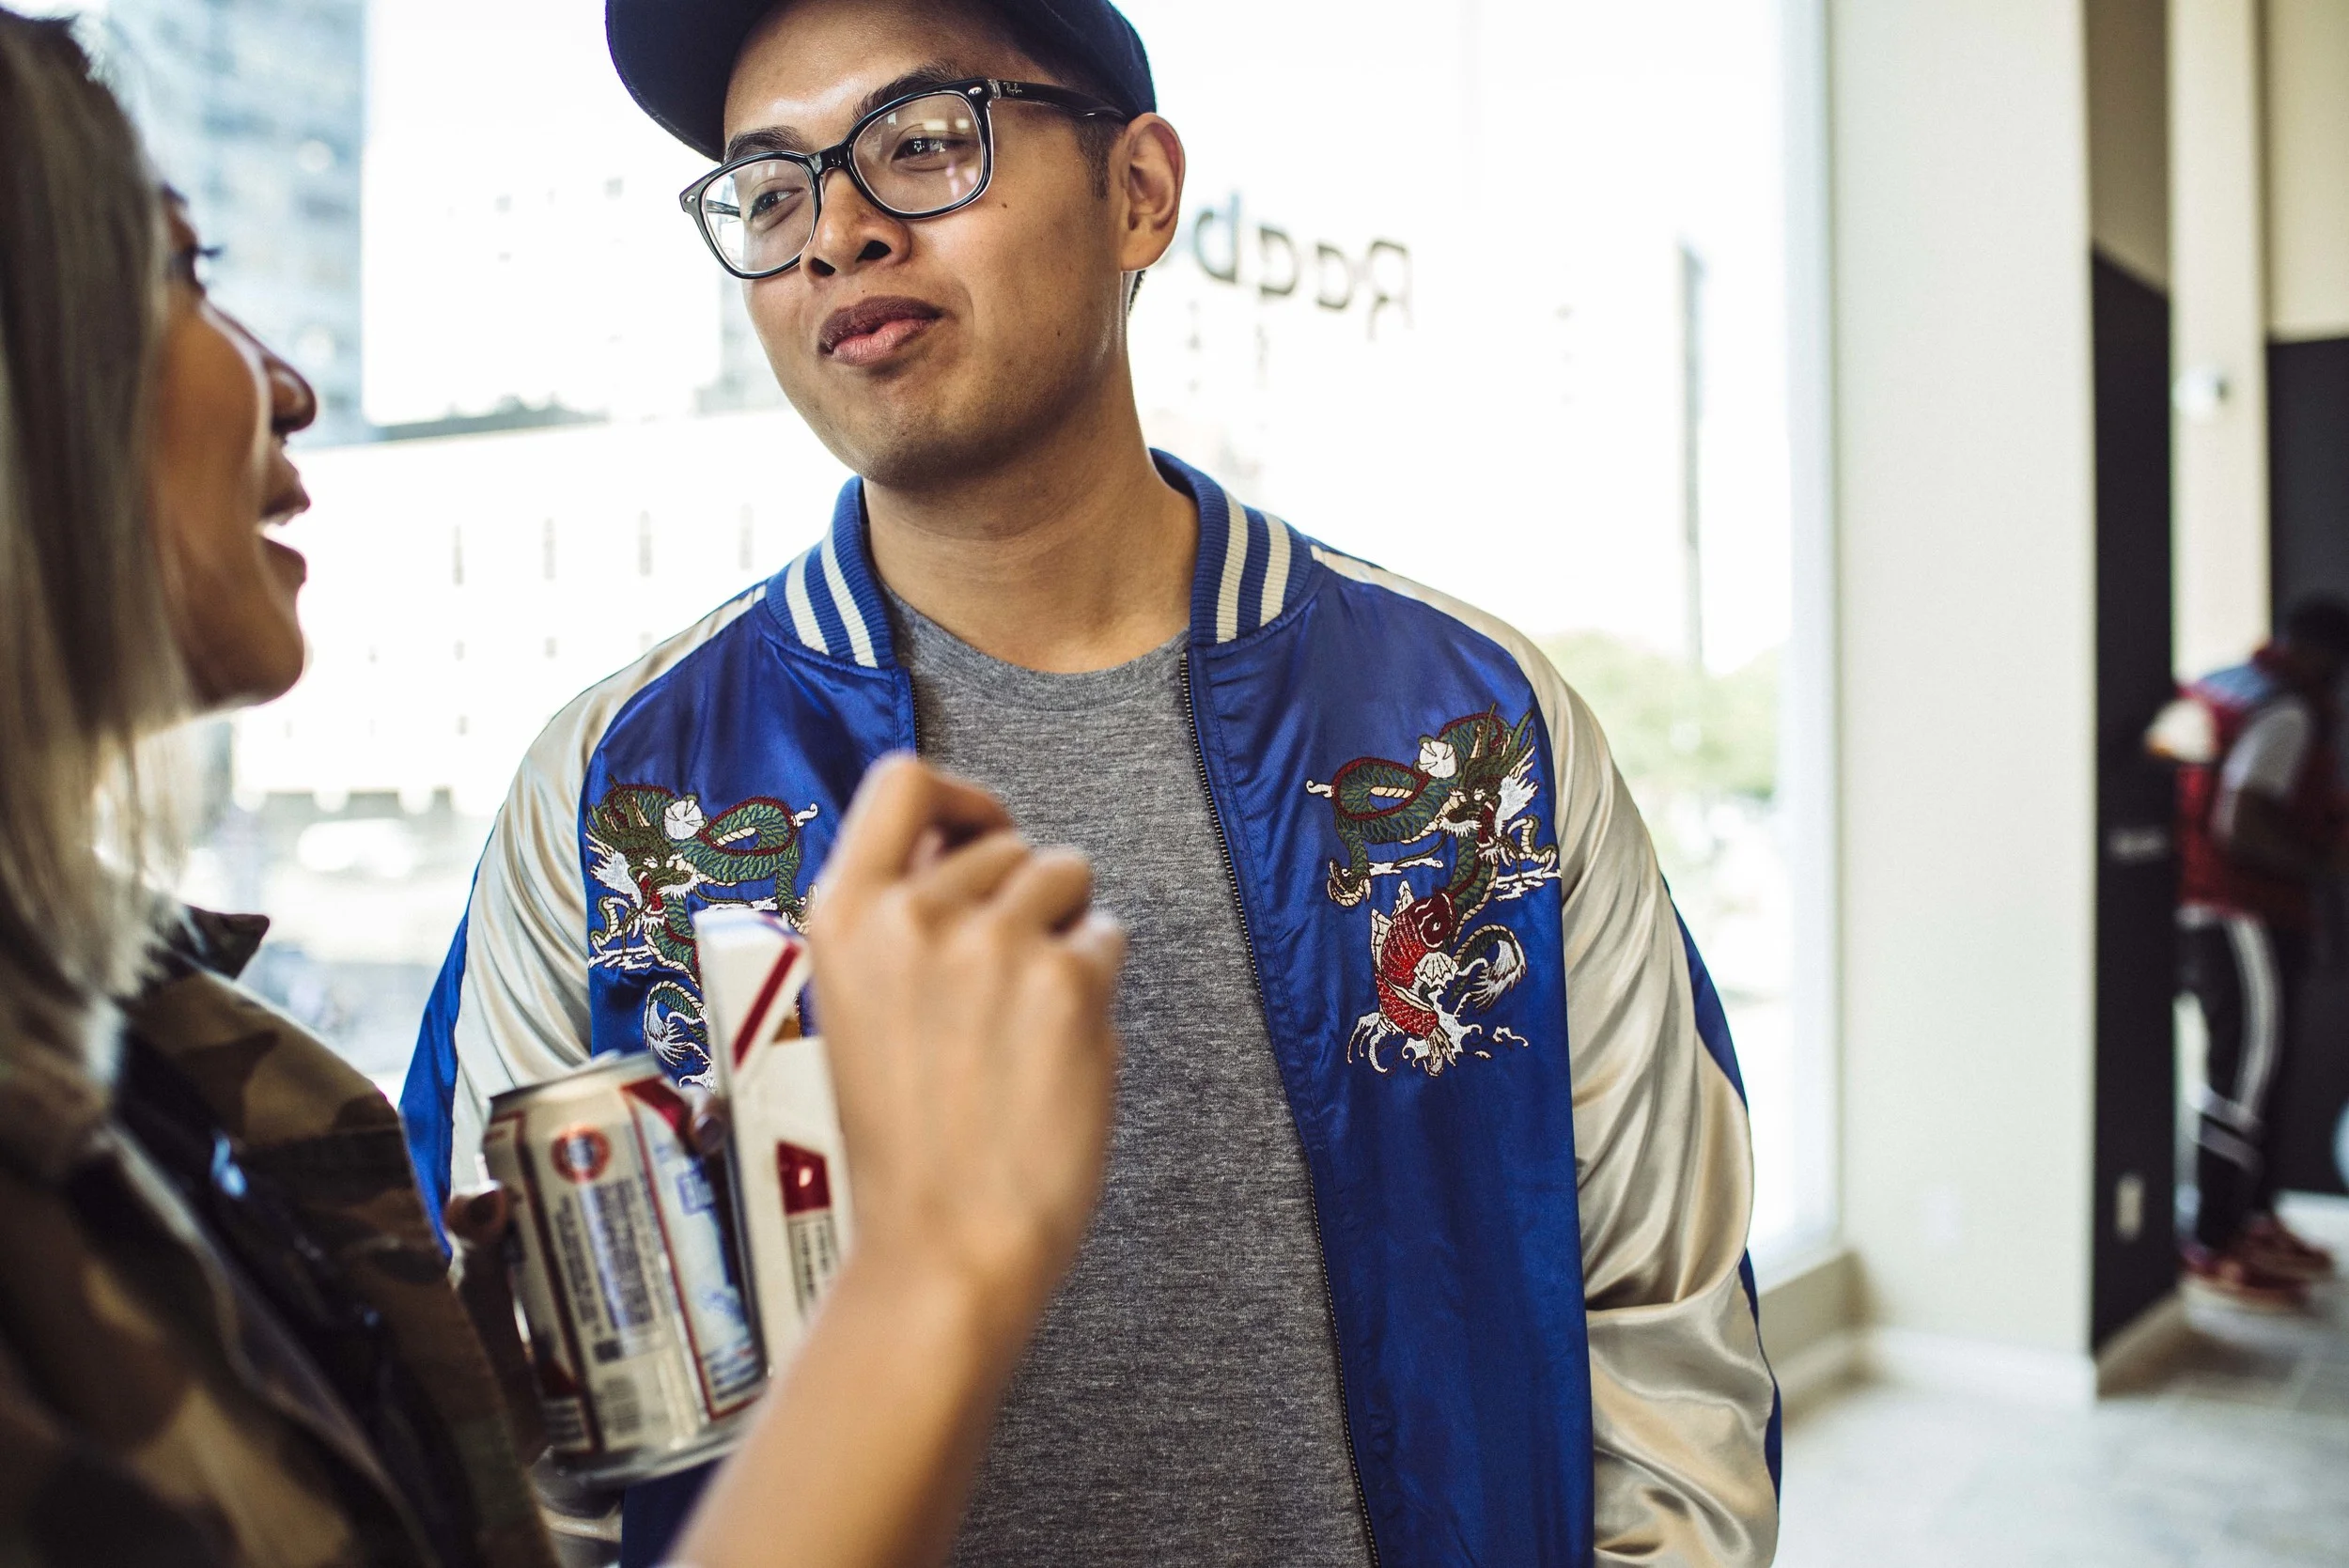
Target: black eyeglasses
[(918, 156)]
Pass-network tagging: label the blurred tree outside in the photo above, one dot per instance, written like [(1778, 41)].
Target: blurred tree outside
[(1675, 727), (1698, 750)]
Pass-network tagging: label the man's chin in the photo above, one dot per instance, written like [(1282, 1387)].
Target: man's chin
[(930, 431), (911, 450)]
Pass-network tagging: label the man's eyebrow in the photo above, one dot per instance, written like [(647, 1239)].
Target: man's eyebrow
[(786, 138), (935, 74), (772, 138)]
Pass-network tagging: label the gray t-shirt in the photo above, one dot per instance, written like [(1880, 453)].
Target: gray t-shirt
[(1180, 1404)]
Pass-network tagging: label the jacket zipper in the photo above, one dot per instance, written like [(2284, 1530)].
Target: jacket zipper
[(1313, 1204)]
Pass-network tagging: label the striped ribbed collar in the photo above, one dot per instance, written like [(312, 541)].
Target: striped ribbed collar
[(1252, 568)]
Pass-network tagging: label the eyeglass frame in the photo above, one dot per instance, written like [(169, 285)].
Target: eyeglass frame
[(979, 91)]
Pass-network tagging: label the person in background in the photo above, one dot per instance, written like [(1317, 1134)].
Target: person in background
[(2261, 826), (227, 1334), (1424, 1229)]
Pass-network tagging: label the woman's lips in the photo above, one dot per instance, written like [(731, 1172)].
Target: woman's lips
[(287, 558)]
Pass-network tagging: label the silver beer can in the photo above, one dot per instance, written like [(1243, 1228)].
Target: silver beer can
[(643, 1338)]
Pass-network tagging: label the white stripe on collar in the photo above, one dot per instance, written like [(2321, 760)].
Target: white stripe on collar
[(1234, 567), (802, 613), (860, 640), (1276, 571)]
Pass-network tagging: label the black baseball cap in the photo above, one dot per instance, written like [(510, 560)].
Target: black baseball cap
[(677, 56)]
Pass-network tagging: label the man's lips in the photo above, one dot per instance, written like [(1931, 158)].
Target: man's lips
[(871, 330)]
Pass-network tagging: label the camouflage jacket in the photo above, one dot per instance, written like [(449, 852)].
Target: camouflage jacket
[(228, 1334)]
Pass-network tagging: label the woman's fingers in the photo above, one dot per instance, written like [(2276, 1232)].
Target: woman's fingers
[(1098, 940), (1048, 891), (971, 872), (900, 800)]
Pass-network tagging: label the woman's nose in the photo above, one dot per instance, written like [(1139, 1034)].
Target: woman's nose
[(293, 403)]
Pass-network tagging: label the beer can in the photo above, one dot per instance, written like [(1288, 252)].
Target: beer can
[(642, 1336), (790, 1169)]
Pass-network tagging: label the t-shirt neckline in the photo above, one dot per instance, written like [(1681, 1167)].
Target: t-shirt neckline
[(939, 654)]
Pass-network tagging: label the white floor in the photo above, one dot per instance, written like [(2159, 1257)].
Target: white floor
[(2235, 1456)]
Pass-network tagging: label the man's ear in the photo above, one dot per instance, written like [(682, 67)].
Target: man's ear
[(1147, 177)]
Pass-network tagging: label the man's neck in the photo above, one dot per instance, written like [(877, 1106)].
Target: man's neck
[(1073, 555)]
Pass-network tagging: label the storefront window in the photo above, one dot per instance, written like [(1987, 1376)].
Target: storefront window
[(1492, 292), (1495, 294)]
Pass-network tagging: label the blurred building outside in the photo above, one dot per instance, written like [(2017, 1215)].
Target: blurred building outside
[(255, 110), (564, 443)]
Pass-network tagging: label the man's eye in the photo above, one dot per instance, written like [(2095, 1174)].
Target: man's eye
[(929, 150), (771, 205)]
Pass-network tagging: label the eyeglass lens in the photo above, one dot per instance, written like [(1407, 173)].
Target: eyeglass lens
[(922, 156)]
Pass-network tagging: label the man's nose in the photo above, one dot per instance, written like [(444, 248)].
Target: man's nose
[(849, 229)]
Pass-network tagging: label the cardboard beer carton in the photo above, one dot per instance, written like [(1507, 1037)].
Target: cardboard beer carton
[(791, 1169)]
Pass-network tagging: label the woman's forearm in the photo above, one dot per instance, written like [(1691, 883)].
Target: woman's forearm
[(863, 1454)]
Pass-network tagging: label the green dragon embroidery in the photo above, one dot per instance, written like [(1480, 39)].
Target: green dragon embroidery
[(660, 857)]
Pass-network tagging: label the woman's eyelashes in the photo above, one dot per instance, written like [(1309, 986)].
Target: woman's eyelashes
[(192, 264)]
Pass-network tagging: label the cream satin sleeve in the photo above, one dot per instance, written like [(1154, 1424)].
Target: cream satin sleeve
[(522, 1017), (1681, 1395), (523, 1011)]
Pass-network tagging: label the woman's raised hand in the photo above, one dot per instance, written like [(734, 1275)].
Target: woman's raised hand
[(963, 985)]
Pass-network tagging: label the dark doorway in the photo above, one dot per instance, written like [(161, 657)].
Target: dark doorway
[(2308, 436), (2136, 1247)]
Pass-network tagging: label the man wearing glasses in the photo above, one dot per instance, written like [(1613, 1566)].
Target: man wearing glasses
[(1402, 1259)]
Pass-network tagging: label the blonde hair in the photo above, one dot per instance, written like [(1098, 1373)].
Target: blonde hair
[(89, 671)]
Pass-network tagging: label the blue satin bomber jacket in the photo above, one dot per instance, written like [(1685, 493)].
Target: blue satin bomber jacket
[(1509, 1070)]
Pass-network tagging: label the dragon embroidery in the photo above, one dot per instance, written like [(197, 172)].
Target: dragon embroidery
[(1461, 804), (658, 857)]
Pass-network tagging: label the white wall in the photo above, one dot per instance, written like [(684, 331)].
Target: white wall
[(2218, 324), (2308, 168), (1961, 220)]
